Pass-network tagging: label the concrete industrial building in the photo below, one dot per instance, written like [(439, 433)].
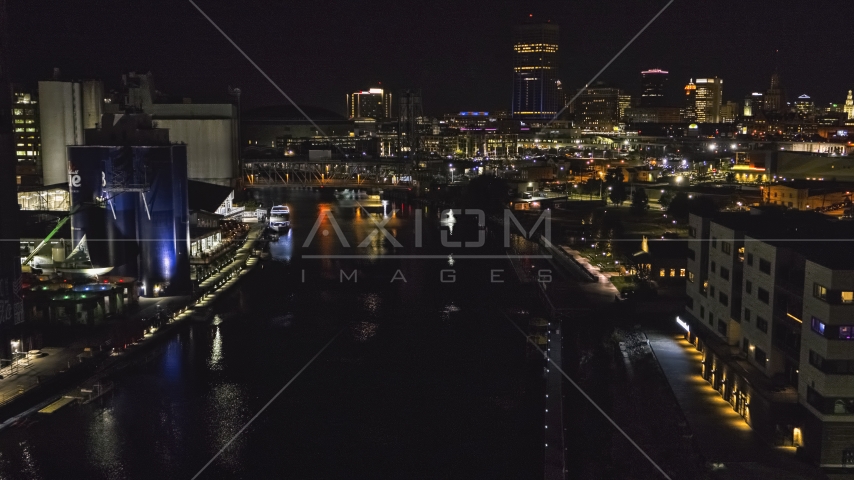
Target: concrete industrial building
[(210, 133), (61, 113), (771, 307), (65, 110), (209, 130)]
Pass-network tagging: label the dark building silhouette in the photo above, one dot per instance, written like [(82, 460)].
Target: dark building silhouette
[(535, 76), (653, 85), (775, 97), (11, 307)]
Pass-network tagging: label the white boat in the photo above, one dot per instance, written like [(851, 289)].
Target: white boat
[(280, 218)]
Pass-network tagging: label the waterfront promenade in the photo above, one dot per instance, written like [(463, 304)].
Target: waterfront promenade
[(37, 369)]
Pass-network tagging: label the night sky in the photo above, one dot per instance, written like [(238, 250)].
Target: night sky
[(458, 52)]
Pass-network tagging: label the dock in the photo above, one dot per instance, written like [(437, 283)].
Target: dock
[(53, 407)]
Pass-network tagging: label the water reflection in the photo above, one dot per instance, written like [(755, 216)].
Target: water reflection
[(104, 445), (449, 310), (364, 330), (284, 248), (215, 362), (29, 467), (227, 414)]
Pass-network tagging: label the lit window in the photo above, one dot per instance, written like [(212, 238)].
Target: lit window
[(662, 273), (820, 291), (817, 326), (847, 297), (846, 332), (681, 272), (672, 272)]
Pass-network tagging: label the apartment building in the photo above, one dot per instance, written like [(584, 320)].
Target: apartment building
[(826, 380), (771, 306)]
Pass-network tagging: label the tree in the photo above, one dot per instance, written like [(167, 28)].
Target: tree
[(730, 177), (616, 188), (591, 187), (681, 206), (678, 206), (665, 199), (640, 202), (617, 193)]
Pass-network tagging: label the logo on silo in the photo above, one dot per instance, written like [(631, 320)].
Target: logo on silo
[(74, 179)]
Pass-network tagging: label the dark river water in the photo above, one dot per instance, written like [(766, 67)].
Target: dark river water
[(426, 379)]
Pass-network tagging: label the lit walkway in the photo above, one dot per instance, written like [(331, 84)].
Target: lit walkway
[(28, 372), (599, 291), (720, 433), (554, 459)]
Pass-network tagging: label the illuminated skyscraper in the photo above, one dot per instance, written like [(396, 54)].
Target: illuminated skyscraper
[(849, 106), (753, 104), (25, 122), (805, 106), (624, 102), (689, 110), (598, 107), (535, 64), (653, 84), (708, 100), (373, 103)]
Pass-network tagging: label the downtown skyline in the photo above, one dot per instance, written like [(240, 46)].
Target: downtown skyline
[(465, 64)]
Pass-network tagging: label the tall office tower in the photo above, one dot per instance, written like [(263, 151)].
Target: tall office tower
[(535, 64), (25, 123), (775, 97), (805, 106), (849, 106), (372, 103), (689, 109), (410, 110), (729, 112), (653, 84), (753, 104), (11, 306), (708, 100), (624, 102), (598, 107)]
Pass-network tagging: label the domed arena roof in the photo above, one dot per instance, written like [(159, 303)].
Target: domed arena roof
[(289, 113)]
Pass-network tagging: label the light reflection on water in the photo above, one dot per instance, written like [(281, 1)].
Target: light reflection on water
[(215, 361), (227, 413), (104, 445), (358, 412)]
